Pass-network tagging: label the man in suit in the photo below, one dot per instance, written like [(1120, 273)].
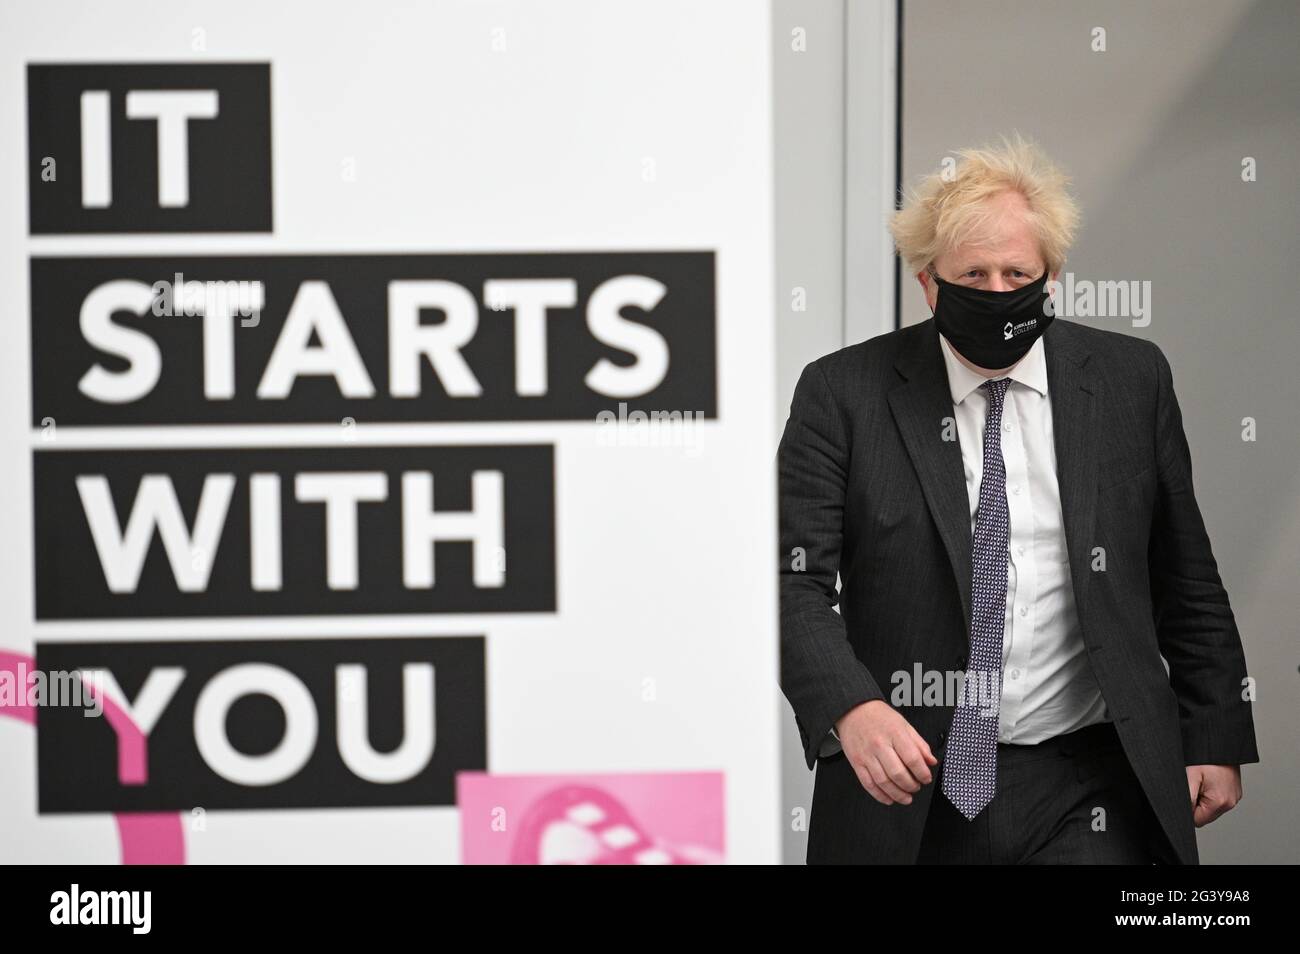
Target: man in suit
[(1034, 659)]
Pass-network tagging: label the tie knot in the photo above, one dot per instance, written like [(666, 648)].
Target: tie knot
[(997, 388)]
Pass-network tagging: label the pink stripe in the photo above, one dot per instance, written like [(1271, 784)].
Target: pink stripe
[(147, 838)]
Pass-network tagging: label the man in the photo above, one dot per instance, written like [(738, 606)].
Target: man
[(1054, 570)]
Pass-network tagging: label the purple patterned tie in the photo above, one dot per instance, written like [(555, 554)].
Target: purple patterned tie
[(970, 772)]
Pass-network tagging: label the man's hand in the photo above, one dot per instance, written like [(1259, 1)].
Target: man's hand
[(890, 757), (1214, 789)]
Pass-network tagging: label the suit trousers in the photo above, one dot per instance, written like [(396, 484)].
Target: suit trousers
[(1071, 799)]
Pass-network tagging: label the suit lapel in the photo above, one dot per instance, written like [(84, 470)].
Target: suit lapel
[(921, 403), (922, 407), (1075, 394)]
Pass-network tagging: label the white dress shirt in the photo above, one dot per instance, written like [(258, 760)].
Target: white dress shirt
[(1047, 684)]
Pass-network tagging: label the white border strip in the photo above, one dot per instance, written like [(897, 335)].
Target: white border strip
[(870, 120)]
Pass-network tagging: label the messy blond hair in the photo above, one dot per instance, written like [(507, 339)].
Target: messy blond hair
[(944, 211)]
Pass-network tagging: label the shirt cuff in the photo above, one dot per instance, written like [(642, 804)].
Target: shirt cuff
[(830, 745)]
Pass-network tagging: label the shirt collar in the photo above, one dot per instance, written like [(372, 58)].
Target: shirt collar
[(1031, 371)]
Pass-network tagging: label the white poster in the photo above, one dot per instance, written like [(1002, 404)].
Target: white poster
[(388, 470)]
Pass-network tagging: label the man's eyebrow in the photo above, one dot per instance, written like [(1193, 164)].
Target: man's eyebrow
[(1018, 266)]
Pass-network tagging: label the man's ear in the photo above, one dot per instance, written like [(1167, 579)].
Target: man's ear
[(923, 276)]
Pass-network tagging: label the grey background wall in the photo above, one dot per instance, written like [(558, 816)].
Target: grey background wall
[(1154, 131)]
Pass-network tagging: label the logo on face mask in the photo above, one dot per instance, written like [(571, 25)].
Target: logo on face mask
[(1009, 331)]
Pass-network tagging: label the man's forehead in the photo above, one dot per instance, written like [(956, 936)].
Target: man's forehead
[(1022, 259), (996, 255)]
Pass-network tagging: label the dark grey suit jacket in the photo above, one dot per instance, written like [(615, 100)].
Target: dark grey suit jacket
[(869, 488)]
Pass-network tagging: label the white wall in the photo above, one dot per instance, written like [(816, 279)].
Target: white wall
[(834, 106)]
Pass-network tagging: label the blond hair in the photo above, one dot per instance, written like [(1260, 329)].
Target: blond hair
[(945, 210)]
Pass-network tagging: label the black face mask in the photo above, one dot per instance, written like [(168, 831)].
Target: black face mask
[(993, 329)]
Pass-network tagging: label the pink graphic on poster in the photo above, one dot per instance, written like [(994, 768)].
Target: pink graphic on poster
[(147, 838), (652, 818)]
